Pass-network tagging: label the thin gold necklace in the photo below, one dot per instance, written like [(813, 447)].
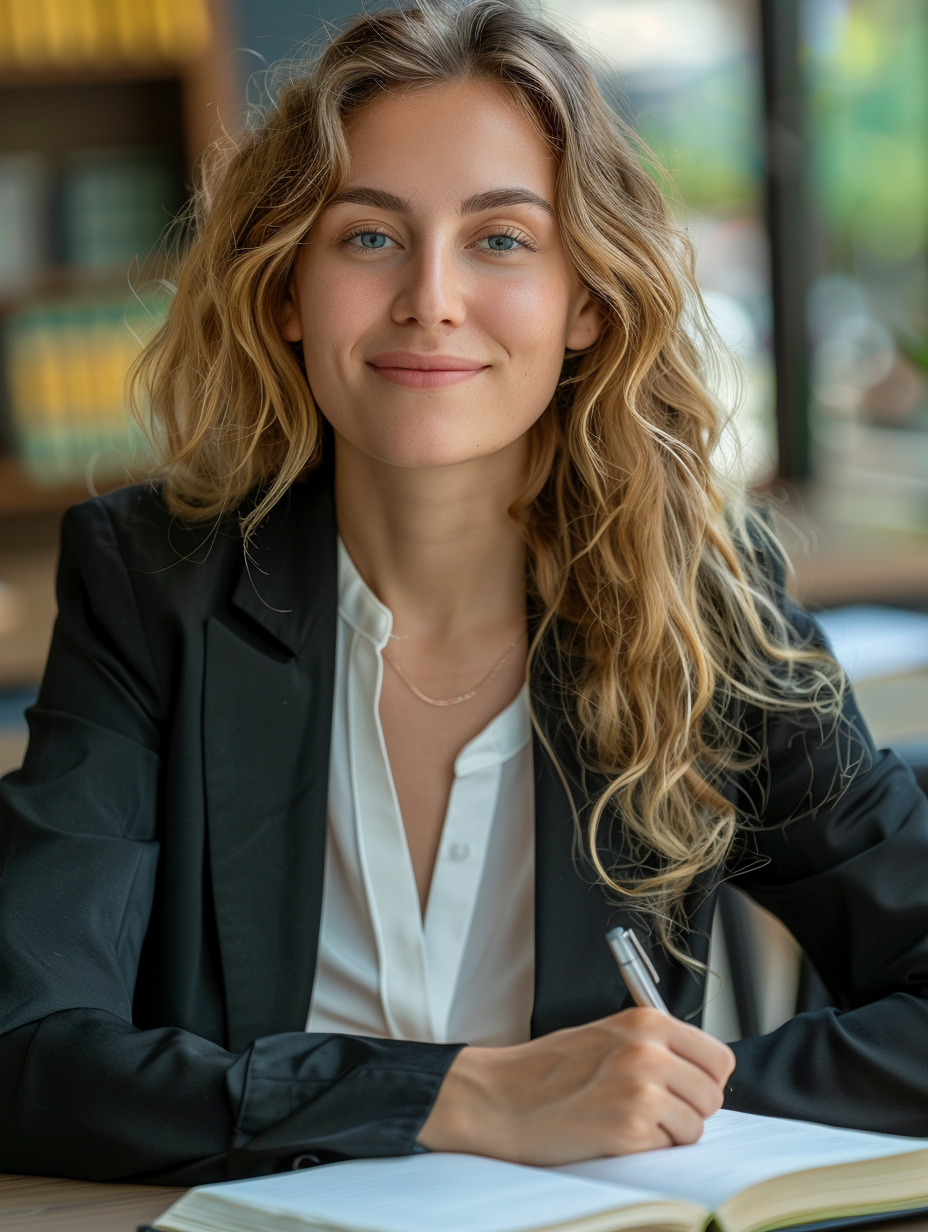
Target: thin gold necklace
[(452, 701)]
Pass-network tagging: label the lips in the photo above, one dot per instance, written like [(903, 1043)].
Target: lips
[(422, 371)]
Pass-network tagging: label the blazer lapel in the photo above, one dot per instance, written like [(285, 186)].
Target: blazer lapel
[(576, 979), (267, 721)]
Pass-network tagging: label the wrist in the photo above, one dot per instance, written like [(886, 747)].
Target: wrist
[(462, 1104)]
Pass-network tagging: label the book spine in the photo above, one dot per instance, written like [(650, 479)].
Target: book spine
[(66, 370), (28, 37), (35, 33)]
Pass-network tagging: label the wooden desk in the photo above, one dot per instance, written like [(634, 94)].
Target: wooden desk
[(44, 1204), (41, 1204)]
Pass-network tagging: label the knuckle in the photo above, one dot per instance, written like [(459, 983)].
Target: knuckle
[(655, 1020), (647, 1021), (645, 1054), (636, 1129), (643, 1096)]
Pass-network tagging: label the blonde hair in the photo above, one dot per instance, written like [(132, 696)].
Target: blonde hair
[(658, 617)]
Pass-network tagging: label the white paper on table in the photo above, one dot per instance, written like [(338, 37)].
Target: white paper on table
[(738, 1150), (871, 642)]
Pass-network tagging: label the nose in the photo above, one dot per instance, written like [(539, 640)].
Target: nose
[(431, 291)]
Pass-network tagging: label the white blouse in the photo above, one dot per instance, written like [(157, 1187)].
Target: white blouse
[(466, 972)]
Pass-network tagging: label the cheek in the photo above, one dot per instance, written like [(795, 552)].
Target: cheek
[(529, 319), (336, 309)]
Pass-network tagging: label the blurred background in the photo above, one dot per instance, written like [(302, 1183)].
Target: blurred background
[(794, 140)]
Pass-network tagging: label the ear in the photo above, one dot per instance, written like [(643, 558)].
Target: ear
[(291, 326), (585, 324)]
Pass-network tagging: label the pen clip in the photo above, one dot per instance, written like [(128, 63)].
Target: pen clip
[(643, 955)]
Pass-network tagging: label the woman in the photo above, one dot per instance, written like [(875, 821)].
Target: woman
[(293, 827)]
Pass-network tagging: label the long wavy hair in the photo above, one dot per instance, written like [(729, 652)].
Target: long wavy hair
[(658, 618)]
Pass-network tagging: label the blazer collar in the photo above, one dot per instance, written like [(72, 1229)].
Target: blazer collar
[(287, 582)]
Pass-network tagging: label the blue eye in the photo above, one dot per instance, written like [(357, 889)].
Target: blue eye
[(369, 241), (501, 243)]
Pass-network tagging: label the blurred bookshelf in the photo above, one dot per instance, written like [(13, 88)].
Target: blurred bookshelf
[(105, 106)]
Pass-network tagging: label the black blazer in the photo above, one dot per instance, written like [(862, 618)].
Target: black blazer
[(161, 861)]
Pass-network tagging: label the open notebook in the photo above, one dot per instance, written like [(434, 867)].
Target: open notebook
[(747, 1173)]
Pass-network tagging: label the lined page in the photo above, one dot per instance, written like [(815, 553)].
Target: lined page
[(738, 1150), (424, 1193)]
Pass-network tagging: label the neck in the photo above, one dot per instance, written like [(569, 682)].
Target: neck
[(436, 545)]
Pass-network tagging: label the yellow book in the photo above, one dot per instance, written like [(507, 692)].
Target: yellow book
[(55, 21), (7, 51), (106, 34), (71, 30), (25, 374), (183, 27), (746, 1174), (39, 32), (78, 361), (68, 387), (28, 32), (116, 356), (137, 29), (38, 390), (53, 408)]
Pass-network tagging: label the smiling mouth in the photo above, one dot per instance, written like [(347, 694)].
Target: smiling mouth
[(425, 371)]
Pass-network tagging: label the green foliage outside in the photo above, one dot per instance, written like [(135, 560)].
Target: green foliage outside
[(869, 130), (707, 136)]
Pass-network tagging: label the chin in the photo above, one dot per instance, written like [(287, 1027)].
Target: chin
[(429, 454), (432, 444)]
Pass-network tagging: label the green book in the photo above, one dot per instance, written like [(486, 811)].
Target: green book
[(114, 205)]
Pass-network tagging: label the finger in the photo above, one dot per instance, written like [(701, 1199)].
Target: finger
[(681, 1123), (701, 1049), (695, 1087), (633, 1140), (640, 1126)]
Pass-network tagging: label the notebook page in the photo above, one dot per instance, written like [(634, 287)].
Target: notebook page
[(738, 1150), (423, 1193)]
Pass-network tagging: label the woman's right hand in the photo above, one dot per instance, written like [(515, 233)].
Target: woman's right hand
[(631, 1082)]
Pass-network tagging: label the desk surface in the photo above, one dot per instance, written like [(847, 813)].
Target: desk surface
[(43, 1204)]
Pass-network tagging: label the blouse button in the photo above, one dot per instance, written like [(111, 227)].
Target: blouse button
[(458, 852)]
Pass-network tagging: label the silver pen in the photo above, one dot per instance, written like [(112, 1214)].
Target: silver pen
[(636, 968)]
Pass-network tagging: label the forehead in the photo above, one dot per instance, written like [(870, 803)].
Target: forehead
[(451, 141)]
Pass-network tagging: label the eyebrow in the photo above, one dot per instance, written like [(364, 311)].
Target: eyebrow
[(495, 199)]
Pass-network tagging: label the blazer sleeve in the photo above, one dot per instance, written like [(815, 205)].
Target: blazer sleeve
[(84, 1092), (840, 855)]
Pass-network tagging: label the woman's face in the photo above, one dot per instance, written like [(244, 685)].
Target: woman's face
[(433, 296)]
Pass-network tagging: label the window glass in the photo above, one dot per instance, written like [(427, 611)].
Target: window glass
[(686, 74), (867, 72)]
